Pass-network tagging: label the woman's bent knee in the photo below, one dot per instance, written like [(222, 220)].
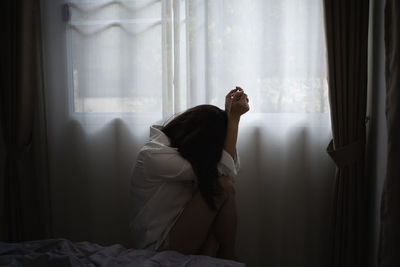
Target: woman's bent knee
[(226, 185), (226, 191)]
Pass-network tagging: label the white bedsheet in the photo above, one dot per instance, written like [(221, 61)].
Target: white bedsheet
[(62, 252)]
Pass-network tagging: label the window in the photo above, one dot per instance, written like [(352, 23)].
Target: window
[(274, 48), (145, 57), (119, 56)]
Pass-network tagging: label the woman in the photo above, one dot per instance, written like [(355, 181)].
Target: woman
[(182, 190)]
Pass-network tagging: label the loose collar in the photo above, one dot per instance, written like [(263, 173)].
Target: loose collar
[(158, 136)]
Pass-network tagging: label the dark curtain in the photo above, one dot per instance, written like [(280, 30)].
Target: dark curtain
[(23, 189), (346, 25), (389, 247)]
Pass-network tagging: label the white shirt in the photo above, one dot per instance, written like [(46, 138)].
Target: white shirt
[(162, 183)]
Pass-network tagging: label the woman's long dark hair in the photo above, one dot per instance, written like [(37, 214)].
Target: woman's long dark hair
[(199, 134)]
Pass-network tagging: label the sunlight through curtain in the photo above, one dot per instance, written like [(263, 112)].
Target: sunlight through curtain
[(114, 68)]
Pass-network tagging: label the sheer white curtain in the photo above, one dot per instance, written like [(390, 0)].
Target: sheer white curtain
[(113, 68)]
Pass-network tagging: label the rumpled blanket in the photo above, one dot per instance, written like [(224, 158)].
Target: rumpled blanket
[(63, 253)]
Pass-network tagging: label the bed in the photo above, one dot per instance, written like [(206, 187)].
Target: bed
[(62, 252)]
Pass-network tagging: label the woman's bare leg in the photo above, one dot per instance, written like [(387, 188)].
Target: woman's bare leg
[(211, 246), (190, 232), (225, 229)]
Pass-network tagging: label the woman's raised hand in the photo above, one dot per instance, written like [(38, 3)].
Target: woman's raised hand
[(236, 103)]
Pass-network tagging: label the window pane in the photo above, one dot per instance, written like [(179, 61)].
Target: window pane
[(274, 49), (115, 58)]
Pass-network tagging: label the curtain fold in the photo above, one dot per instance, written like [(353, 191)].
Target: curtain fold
[(389, 245), (22, 189), (347, 38)]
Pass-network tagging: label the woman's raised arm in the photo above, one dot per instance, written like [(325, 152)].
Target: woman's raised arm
[(236, 104)]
